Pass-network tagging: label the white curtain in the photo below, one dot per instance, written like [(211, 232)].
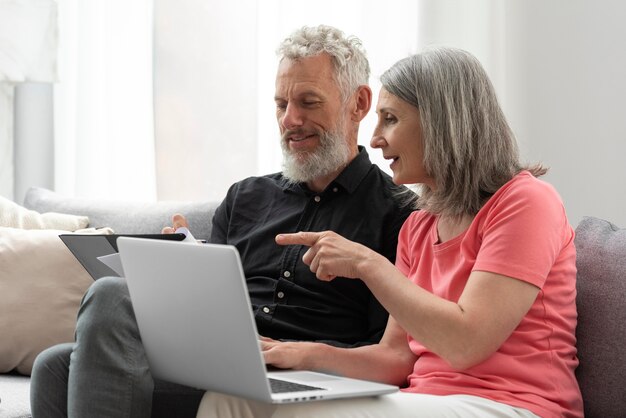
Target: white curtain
[(214, 81), (213, 78), (205, 96), (215, 67), (104, 134), (28, 38)]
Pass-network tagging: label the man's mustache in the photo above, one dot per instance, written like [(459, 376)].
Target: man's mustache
[(301, 132)]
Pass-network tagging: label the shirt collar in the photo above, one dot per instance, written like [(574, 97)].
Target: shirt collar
[(349, 179)]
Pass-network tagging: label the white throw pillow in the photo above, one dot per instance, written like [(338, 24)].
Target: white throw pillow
[(16, 216), (41, 286)]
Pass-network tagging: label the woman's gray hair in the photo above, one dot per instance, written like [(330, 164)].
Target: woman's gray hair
[(348, 56), (469, 148)]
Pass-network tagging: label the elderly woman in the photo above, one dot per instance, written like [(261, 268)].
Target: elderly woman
[(482, 294)]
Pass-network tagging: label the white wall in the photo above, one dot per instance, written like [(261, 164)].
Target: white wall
[(559, 67), (566, 98)]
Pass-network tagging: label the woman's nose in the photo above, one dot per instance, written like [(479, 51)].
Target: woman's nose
[(377, 141)]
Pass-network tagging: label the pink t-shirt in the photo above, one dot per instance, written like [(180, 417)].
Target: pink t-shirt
[(521, 232)]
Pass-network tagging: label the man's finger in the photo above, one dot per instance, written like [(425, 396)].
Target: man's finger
[(179, 221), (300, 238)]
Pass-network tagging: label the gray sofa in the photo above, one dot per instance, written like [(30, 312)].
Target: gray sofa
[(601, 333), (122, 217)]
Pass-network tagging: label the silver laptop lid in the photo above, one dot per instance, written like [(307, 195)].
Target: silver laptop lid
[(194, 315), (169, 318)]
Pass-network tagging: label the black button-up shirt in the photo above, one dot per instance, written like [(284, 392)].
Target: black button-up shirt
[(288, 301)]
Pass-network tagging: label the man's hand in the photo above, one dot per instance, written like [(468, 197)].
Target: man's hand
[(178, 221), (330, 255)]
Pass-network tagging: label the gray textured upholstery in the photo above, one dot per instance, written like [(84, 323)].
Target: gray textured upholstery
[(601, 332), (125, 217)]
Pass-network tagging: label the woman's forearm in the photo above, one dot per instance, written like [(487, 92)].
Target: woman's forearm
[(372, 362), (463, 333)]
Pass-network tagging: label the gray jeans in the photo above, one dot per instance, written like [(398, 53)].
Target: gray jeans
[(105, 372)]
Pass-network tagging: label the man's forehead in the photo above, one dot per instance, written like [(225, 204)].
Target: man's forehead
[(314, 68), (310, 75)]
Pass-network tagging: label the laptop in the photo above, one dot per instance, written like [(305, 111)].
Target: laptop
[(195, 319), (90, 248)]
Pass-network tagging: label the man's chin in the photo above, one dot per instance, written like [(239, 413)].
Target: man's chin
[(299, 157), (299, 150)]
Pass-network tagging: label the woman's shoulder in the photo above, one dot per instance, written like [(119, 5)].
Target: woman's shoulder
[(525, 186), (418, 224), (527, 194)]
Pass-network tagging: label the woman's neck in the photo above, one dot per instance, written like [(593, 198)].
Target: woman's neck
[(450, 227)]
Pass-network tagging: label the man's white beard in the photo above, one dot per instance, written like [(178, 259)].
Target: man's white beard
[(331, 155)]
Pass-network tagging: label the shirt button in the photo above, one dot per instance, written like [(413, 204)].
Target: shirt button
[(286, 274), (317, 199), (266, 309), (280, 295), (335, 189)]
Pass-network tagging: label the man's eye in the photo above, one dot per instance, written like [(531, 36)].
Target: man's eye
[(310, 103), (281, 106)]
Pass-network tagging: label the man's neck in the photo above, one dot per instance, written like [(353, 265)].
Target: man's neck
[(320, 184)]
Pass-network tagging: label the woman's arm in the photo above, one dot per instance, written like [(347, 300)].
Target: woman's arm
[(389, 361), (463, 333)]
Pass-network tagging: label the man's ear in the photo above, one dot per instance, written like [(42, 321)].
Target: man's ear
[(362, 103)]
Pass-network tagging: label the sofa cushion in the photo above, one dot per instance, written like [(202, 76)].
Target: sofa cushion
[(601, 331), (126, 217), (15, 396), (41, 286), (16, 216)]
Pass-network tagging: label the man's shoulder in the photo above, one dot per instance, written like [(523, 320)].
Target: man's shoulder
[(388, 189), (267, 180)]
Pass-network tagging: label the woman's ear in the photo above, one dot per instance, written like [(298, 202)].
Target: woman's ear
[(362, 103)]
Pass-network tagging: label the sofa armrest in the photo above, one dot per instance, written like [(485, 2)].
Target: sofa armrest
[(125, 217), (601, 331)]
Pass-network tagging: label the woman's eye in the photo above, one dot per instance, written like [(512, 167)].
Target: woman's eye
[(389, 119)]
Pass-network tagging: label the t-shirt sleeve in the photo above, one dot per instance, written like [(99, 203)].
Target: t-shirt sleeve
[(524, 232), (404, 257)]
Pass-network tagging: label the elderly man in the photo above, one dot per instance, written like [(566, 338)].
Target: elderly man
[(327, 183)]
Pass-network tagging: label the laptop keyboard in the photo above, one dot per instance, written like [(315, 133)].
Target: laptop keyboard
[(282, 386)]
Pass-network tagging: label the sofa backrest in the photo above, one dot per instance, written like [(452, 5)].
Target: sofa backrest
[(601, 303), (125, 217)]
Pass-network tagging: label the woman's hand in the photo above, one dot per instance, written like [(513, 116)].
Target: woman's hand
[(330, 255), (297, 355)]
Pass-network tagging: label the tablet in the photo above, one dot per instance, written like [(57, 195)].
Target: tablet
[(87, 248)]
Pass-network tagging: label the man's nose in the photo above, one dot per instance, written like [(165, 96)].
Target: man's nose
[(292, 118)]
